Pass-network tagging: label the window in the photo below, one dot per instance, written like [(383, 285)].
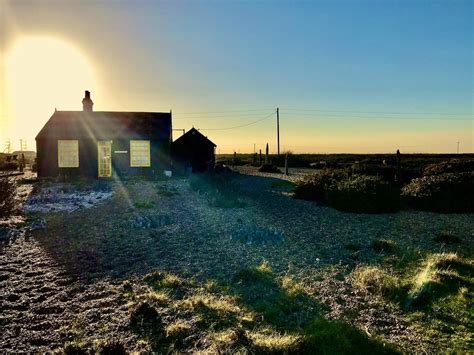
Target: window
[(68, 153), (140, 154)]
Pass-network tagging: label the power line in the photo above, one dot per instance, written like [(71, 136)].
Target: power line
[(236, 115), (373, 117), (218, 112), (240, 126), (384, 112)]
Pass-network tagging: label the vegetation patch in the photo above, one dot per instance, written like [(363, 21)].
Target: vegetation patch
[(384, 246), (448, 238), (450, 166), (257, 312), (434, 291), (364, 194), (314, 187), (450, 192)]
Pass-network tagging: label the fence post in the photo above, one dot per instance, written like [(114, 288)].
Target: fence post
[(286, 164)]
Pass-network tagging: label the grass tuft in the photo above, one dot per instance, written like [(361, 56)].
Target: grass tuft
[(374, 279), (447, 238), (384, 246)]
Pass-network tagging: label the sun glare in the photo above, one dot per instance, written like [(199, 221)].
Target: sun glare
[(42, 73)]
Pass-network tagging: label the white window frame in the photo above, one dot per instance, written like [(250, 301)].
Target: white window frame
[(68, 156), (140, 157)]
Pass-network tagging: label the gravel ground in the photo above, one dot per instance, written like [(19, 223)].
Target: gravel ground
[(294, 174), (62, 282)]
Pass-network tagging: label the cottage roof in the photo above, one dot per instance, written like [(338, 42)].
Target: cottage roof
[(105, 125), (193, 136)]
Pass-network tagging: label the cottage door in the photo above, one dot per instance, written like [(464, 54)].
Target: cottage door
[(104, 149)]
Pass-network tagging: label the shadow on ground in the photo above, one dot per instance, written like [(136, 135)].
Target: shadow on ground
[(257, 312)]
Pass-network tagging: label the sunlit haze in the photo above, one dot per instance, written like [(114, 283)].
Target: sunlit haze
[(348, 76)]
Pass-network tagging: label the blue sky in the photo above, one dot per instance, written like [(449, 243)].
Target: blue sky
[(374, 59)]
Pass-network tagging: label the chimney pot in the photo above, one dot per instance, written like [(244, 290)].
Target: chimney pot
[(87, 103)]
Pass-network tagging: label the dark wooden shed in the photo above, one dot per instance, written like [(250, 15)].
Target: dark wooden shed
[(104, 144), (193, 151)]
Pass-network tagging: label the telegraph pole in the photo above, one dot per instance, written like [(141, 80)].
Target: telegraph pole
[(458, 147), (278, 132)]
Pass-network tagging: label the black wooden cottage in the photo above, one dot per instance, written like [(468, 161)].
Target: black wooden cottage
[(193, 151), (104, 144)]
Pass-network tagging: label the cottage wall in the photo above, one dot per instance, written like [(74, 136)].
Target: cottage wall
[(47, 159)]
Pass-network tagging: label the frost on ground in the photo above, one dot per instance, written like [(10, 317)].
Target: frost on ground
[(64, 198)]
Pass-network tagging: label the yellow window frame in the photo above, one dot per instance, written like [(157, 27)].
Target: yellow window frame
[(61, 163), (134, 164)]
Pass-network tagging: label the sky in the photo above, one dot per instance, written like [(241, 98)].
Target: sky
[(348, 76)]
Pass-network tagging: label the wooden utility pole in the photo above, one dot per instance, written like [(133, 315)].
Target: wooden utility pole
[(278, 131), (266, 155)]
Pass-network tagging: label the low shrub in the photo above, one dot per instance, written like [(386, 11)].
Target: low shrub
[(269, 168), (7, 196), (315, 186), (387, 172), (450, 166), (364, 194), (451, 192)]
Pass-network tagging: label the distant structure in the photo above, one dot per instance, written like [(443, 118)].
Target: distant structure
[(193, 151), (102, 144)]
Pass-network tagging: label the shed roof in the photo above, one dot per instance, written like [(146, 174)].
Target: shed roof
[(107, 125), (193, 135)]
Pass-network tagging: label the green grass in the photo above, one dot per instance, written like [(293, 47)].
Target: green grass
[(257, 312), (434, 291)]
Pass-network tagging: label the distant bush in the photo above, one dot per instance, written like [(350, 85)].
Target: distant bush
[(8, 165), (315, 186), (360, 194), (386, 172), (450, 166), (451, 192), (7, 196), (364, 194), (269, 168)]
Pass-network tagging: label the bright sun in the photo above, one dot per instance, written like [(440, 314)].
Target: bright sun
[(42, 73)]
